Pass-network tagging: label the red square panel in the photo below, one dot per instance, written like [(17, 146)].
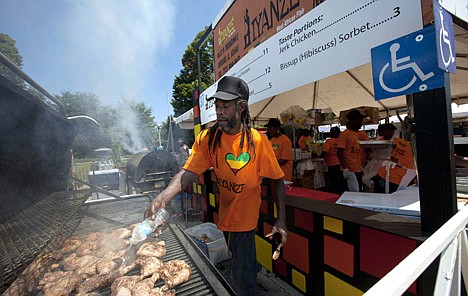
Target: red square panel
[(380, 252), (296, 251), (281, 267), (264, 207), (338, 254), (304, 219), (266, 229), (264, 190), (215, 218), (203, 201)]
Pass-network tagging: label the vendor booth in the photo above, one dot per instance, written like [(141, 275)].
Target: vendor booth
[(318, 57)]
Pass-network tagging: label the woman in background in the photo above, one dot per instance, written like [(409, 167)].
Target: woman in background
[(331, 160)]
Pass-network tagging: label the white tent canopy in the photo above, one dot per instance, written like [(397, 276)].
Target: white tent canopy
[(354, 88)]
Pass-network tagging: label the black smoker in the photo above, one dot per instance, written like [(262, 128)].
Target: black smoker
[(150, 170)]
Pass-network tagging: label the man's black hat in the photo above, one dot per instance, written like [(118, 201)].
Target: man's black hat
[(273, 122), (230, 88), (389, 127), (355, 115)]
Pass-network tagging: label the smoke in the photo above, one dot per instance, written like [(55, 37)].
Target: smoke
[(114, 45), (127, 128)]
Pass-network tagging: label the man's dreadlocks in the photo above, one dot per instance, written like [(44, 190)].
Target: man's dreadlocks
[(214, 140)]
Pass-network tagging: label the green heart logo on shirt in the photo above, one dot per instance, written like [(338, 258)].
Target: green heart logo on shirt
[(237, 163), (275, 146)]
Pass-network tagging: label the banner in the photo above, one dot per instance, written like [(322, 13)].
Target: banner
[(332, 38), (247, 23)]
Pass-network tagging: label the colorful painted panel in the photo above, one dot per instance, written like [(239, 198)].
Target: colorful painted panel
[(333, 225), (336, 287), (264, 207), (304, 219), (296, 251), (380, 252), (212, 199), (298, 280), (339, 255), (264, 253)]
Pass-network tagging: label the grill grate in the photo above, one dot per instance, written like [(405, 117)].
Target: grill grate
[(43, 226), (205, 279)]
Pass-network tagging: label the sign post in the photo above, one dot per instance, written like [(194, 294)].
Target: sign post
[(409, 65)]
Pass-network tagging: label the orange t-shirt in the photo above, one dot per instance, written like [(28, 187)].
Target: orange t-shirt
[(238, 175), (304, 142), (352, 149), (402, 155), (330, 148), (283, 150)]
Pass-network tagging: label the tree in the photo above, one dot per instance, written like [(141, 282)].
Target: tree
[(187, 80), (88, 137), (8, 49), (135, 127)]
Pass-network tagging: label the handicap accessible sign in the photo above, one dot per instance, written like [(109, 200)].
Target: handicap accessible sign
[(406, 65)]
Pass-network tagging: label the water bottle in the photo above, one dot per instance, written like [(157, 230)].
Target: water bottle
[(147, 226)]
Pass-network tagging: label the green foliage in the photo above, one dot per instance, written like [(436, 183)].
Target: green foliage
[(127, 128), (8, 49), (187, 80)]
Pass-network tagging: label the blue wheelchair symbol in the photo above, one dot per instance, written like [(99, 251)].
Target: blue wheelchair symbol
[(406, 65), (445, 38)]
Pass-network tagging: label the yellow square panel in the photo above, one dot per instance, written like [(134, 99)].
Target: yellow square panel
[(264, 253), (194, 187), (212, 200), (275, 211), (337, 287), (298, 280), (333, 224), (197, 129), (200, 189)]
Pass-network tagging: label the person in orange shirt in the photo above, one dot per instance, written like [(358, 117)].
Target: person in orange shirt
[(305, 140), (282, 146), (329, 154), (398, 171), (240, 156), (349, 151)]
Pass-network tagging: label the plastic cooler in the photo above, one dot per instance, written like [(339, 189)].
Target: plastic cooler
[(210, 240)]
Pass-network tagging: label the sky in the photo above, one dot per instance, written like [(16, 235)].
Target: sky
[(112, 48)]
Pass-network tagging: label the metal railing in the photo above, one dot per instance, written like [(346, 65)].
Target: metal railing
[(450, 242)]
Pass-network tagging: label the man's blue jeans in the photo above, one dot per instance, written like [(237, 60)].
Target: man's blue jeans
[(244, 261)]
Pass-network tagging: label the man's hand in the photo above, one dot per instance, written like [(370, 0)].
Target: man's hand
[(279, 228), (157, 203), (346, 174)]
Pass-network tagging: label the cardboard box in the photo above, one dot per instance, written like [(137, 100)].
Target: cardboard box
[(306, 180), (371, 112)]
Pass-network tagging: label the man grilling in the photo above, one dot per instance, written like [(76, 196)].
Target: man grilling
[(240, 156)]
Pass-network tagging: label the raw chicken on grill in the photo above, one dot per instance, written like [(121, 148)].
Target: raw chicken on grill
[(72, 262), (105, 266), (162, 291), (149, 266), (70, 245), (175, 272), (121, 233), (123, 284), (144, 287), (152, 249), (63, 286)]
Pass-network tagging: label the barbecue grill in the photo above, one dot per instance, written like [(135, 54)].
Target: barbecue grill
[(43, 229), (151, 170)]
